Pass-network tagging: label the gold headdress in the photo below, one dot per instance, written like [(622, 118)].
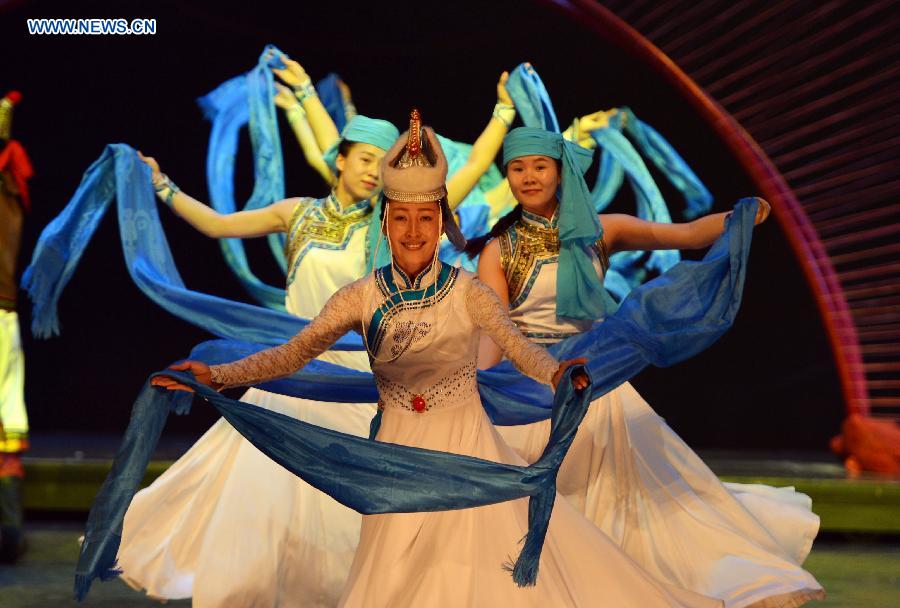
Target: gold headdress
[(415, 168)]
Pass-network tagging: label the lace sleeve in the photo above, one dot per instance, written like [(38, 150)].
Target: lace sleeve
[(488, 313), (339, 315)]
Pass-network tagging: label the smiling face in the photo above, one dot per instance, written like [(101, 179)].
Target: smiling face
[(534, 181), (360, 172), (413, 230)]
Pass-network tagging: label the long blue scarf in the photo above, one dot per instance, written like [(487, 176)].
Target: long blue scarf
[(661, 153), (374, 477), (121, 174), (232, 105), (663, 322)]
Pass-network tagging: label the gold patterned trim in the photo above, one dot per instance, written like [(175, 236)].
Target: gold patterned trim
[(324, 224), (415, 197), (524, 248)]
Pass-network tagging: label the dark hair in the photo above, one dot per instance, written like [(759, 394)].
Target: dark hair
[(475, 246), (343, 150)]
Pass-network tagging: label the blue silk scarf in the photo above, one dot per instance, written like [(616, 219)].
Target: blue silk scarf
[(247, 100), (120, 174)]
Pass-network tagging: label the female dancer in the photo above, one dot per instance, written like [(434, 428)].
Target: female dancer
[(627, 470), (287, 550), (423, 356)]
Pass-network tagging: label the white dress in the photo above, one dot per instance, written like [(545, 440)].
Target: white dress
[(224, 524), (426, 349), (630, 474)]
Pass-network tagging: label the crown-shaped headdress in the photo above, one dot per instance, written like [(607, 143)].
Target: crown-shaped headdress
[(415, 168)]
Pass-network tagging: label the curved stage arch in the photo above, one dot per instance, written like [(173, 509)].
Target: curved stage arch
[(859, 306)]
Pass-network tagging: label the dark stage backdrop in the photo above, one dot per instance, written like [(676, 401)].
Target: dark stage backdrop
[(770, 383)]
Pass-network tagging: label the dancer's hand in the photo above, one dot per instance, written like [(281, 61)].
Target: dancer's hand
[(285, 98), (579, 381), (293, 73), (502, 94), (345, 91), (154, 166), (595, 121), (199, 369), (762, 212)]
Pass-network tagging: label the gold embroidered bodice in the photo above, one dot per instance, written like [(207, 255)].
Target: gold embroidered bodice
[(529, 244), (529, 253), (322, 223)]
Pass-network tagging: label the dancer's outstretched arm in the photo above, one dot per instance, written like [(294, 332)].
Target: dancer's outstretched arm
[(492, 317), (296, 117), (490, 272), (485, 148), (625, 232), (208, 221), (296, 77), (339, 315)]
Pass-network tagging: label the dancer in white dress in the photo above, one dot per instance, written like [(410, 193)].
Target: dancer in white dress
[(188, 535), (423, 347), (627, 470)]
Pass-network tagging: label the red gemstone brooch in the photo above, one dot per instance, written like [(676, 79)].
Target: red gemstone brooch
[(419, 404)]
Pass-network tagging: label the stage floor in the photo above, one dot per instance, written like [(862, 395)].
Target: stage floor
[(855, 573)]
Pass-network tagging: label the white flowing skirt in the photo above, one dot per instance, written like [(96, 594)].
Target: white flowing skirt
[(630, 474), (229, 527)]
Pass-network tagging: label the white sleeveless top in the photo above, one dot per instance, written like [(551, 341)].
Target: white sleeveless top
[(325, 250), (529, 255)]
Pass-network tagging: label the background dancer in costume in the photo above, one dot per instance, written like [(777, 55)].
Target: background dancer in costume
[(15, 170), (424, 357), (627, 470)]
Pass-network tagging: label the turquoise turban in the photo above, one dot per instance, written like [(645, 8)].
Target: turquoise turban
[(579, 291), (363, 130)]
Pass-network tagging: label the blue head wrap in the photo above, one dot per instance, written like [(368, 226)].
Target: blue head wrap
[(579, 291), (363, 130)]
